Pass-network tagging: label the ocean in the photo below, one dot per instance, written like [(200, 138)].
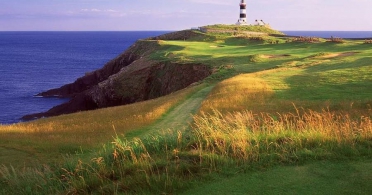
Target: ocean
[(33, 62)]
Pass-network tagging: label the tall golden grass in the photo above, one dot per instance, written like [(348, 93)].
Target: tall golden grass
[(240, 134), (86, 130)]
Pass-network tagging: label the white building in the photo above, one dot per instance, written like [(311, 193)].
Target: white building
[(260, 23)]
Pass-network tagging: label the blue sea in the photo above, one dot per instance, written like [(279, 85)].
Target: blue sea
[(33, 62)]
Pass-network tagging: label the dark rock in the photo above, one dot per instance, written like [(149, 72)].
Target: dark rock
[(133, 53)]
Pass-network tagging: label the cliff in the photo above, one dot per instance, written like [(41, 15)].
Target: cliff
[(130, 77)]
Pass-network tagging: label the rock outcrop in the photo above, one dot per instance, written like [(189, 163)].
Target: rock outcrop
[(130, 77)]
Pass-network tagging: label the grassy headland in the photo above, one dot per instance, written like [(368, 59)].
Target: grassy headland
[(275, 102), (241, 29)]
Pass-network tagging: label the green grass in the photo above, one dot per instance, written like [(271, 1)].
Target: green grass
[(273, 118), (178, 117), (252, 28), (323, 177)]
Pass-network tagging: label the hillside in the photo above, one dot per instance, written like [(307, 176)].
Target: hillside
[(291, 115), (133, 76), (248, 29)]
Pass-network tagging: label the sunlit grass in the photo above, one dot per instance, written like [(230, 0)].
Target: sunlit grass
[(247, 136), (168, 161), (325, 85), (238, 93), (72, 133)]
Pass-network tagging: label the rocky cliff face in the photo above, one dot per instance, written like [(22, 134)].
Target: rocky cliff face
[(129, 78), (134, 52)]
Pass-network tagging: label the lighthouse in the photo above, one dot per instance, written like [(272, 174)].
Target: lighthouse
[(243, 14)]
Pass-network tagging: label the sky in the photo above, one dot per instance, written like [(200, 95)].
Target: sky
[(132, 15)]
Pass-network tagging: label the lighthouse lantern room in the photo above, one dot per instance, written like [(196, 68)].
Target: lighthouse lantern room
[(243, 14)]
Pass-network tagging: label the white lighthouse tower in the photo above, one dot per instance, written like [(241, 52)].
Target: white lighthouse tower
[(243, 14)]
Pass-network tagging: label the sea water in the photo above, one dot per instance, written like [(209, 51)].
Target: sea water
[(33, 62)]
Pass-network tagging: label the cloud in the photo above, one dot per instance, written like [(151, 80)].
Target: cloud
[(98, 10), (110, 10)]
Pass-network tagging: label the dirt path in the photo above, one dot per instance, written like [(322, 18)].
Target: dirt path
[(179, 117)]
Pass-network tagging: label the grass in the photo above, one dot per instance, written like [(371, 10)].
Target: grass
[(170, 161), (243, 92), (325, 177), (252, 28), (178, 117), (47, 139), (297, 122)]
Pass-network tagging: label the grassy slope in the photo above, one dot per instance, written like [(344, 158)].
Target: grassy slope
[(308, 82), (340, 83), (269, 85), (46, 140)]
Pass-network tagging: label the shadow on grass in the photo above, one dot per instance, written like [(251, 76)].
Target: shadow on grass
[(339, 85)]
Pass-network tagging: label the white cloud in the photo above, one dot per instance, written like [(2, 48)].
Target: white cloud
[(98, 10), (110, 10)]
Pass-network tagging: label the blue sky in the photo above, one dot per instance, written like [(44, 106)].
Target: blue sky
[(119, 15)]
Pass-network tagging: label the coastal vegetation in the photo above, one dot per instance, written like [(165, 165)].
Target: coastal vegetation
[(242, 29), (293, 116)]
